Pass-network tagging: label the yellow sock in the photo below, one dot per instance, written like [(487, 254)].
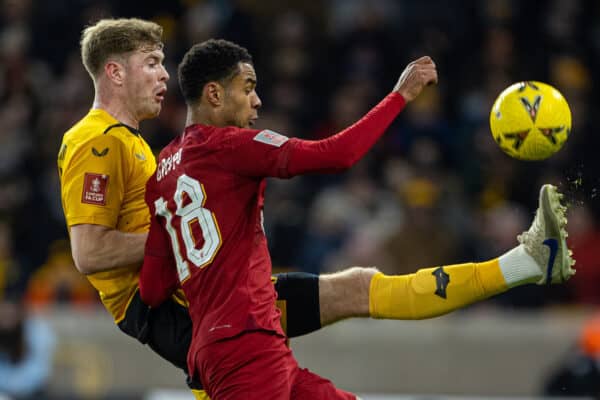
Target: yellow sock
[(200, 395), (434, 291)]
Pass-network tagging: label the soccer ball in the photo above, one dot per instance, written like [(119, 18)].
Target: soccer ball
[(530, 120)]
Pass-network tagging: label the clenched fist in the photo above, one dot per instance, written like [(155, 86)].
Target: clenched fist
[(415, 77)]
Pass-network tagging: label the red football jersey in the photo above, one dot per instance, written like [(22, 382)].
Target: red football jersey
[(206, 199)]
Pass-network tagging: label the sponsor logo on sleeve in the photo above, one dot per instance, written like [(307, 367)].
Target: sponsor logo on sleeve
[(442, 279), (94, 189), (271, 138)]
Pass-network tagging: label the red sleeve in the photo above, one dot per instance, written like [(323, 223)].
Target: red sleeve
[(344, 149), (158, 275), (256, 153), (267, 153)]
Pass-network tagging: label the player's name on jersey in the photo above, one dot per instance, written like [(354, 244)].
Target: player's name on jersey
[(167, 164)]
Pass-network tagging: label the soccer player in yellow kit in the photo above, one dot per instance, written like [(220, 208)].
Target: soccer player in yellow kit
[(104, 164)]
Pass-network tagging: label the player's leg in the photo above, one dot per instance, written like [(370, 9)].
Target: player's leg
[(167, 330), (298, 300), (542, 257), (364, 292), (254, 365), (345, 294), (310, 386)]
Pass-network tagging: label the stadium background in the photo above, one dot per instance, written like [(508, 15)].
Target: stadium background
[(434, 189)]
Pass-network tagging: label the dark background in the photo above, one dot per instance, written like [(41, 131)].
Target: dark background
[(435, 190)]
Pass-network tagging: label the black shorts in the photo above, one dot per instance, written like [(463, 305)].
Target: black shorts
[(167, 329)]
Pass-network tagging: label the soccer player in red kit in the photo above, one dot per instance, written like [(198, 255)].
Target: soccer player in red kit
[(206, 235), (206, 199)]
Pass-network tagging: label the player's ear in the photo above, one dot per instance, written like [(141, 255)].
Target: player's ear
[(115, 71), (213, 92)]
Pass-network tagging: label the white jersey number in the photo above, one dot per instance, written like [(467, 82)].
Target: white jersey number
[(189, 213)]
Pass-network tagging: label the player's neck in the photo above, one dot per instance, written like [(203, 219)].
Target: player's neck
[(117, 107), (200, 115)]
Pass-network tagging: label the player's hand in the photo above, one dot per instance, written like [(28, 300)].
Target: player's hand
[(415, 77)]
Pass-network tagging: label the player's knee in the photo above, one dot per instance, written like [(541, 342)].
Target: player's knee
[(366, 272), (345, 294), (363, 272), (358, 277)]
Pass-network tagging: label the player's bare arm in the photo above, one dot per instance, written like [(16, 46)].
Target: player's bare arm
[(415, 77), (97, 248)]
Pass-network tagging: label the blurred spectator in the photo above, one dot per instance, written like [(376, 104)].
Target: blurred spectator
[(584, 240), (8, 269), (369, 214), (321, 66), (423, 240), (423, 120), (26, 351), (329, 223), (58, 281), (578, 372)]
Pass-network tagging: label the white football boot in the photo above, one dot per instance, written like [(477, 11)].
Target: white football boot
[(545, 240)]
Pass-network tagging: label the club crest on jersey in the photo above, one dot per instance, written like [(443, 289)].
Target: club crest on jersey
[(94, 189), (271, 138), (101, 153)]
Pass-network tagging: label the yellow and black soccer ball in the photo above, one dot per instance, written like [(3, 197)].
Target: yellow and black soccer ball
[(530, 120)]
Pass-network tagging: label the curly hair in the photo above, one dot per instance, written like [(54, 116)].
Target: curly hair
[(115, 38), (209, 61)]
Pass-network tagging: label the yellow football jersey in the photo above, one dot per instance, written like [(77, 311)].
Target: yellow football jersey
[(103, 167)]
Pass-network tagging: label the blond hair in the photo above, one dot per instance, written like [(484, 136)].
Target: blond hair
[(115, 38)]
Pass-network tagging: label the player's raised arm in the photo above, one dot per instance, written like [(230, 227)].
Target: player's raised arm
[(268, 153), (228, 100), (345, 148)]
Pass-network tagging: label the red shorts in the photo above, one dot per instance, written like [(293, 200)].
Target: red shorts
[(259, 365)]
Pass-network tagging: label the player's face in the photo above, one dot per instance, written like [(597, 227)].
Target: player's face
[(241, 103), (146, 82)]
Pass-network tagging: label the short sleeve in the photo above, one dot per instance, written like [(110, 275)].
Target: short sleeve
[(93, 183)]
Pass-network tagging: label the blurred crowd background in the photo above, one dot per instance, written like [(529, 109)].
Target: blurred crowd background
[(436, 189)]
